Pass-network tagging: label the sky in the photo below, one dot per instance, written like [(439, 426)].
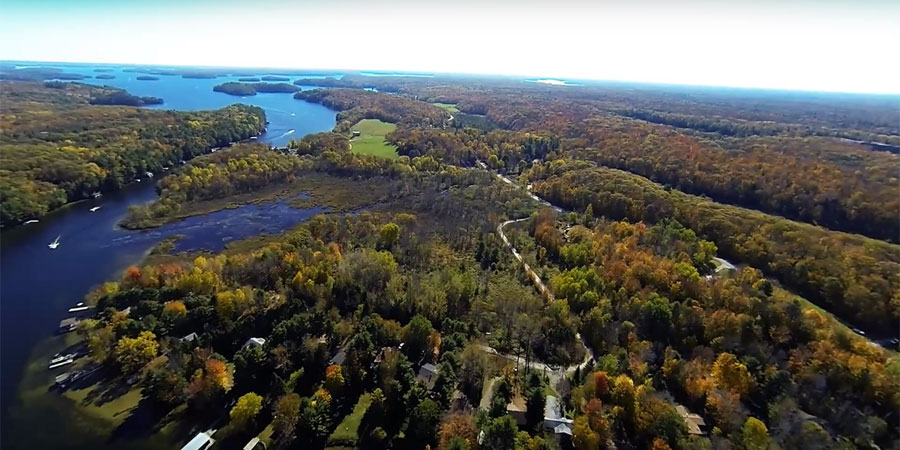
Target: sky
[(824, 45)]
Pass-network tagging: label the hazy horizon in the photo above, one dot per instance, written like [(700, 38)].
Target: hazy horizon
[(835, 46)]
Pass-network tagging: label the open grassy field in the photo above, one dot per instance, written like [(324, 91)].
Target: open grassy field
[(347, 432), (371, 138), (449, 107)]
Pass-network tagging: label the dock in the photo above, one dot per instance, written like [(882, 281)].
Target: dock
[(67, 325)]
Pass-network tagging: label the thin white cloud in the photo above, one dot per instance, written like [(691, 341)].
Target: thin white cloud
[(821, 46)]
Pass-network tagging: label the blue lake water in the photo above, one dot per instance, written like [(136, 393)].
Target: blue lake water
[(287, 117), (38, 284)]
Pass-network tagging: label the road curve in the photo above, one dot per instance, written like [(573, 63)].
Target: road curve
[(540, 287)]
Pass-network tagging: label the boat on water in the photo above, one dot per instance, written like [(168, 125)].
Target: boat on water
[(95, 208), (58, 358), (65, 362), (31, 221), (55, 243), (97, 195), (79, 308)]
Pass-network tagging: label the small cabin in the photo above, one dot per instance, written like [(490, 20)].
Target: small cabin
[(427, 374)]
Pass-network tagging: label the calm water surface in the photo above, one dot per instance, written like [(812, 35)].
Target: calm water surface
[(287, 117), (38, 284)]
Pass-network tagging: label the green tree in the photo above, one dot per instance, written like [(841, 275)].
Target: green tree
[(731, 375), (293, 381), (583, 436), (535, 402), (755, 434), (423, 422), (416, 337), (500, 433), (389, 235), (250, 370), (287, 413), (162, 384), (245, 410), (134, 353)]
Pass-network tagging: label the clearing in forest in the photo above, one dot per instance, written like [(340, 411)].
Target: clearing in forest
[(449, 107), (371, 138)]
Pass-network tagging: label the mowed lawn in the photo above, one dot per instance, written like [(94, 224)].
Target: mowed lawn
[(449, 107), (371, 138), (347, 432)]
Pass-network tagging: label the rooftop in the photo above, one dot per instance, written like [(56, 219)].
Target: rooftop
[(255, 342), (692, 421), (552, 409), (563, 428), (339, 358), (428, 374), (201, 441)]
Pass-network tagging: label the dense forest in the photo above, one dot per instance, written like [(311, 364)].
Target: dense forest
[(245, 89), (844, 186), (733, 112), (426, 270), (860, 198), (356, 105), (37, 74), (855, 277), (547, 282), (124, 99), (56, 147)]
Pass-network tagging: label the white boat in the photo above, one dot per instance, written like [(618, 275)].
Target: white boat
[(79, 308), (31, 221), (61, 363), (95, 208), (97, 195), (61, 358), (149, 174), (55, 243)]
